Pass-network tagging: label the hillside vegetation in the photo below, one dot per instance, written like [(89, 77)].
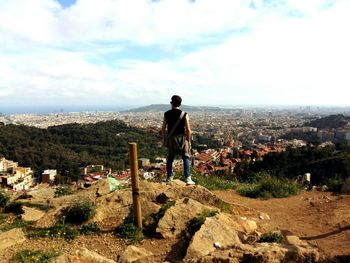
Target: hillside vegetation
[(328, 165), (67, 147), (332, 121)]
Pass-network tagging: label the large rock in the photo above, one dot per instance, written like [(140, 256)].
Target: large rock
[(176, 218), (134, 254), (82, 255), (346, 187), (32, 214), (219, 232), (262, 253), (10, 238)]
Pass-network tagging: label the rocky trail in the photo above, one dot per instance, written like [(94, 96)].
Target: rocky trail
[(197, 226)]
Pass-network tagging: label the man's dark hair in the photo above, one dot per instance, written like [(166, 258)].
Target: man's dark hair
[(176, 101)]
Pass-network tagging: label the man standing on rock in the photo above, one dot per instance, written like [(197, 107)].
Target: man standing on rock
[(176, 134)]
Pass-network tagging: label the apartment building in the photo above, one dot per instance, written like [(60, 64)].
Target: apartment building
[(15, 177)]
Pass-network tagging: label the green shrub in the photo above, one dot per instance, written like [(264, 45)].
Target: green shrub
[(335, 184), (90, 229), (271, 237), (4, 198), (58, 231), (79, 212), (269, 187), (29, 256), (129, 231), (15, 208), (343, 258), (63, 190)]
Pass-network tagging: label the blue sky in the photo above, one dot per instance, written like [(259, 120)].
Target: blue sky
[(138, 52)]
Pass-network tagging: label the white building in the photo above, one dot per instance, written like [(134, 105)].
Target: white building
[(48, 176)]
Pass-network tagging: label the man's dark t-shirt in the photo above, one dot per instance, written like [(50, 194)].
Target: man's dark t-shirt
[(171, 117)]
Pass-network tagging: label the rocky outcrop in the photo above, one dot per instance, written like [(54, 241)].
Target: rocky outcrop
[(32, 214), (219, 232), (134, 254), (10, 238), (176, 218), (82, 255)]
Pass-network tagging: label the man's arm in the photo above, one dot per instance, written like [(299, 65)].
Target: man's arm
[(163, 132), (188, 129)]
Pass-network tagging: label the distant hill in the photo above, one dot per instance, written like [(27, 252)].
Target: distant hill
[(329, 122), (165, 107), (66, 147)]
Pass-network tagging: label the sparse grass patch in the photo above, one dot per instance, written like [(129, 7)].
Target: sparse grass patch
[(79, 212), (63, 190), (3, 218), (16, 223), (42, 207), (129, 231), (4, 198), (211, 181), (58, 231), (269, 187), (31, 256), (90, 229), (271, 237), (225, 207), (215, 182)]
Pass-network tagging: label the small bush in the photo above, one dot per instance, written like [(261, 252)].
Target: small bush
[(335, 184), (29, 256), (343, 258), (90, 229), (63, 190), (269, 187), (271, 237), (15, 208), (79, 212), (4, 198), (58, 231), (129, 231)]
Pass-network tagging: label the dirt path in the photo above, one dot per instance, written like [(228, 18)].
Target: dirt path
[(319, 217)]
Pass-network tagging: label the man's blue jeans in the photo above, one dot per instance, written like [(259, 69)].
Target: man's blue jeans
[(186, 165)]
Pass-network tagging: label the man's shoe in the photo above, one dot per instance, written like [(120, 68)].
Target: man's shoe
[(169, 179), (189, 181)]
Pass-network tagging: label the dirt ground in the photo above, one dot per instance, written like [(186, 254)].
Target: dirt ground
[(321, 218)]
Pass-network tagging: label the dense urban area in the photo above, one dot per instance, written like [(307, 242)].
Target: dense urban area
[(222, 138)]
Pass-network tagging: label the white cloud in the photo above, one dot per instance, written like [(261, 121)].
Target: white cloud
[(263, 54)]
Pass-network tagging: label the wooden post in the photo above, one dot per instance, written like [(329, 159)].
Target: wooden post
[(135, 184)]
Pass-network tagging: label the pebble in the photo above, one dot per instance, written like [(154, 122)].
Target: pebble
[(217, 245)]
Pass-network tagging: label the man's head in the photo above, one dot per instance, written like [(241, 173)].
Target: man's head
[(176, 101)]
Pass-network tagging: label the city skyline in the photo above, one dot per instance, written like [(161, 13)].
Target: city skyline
[(136, 53)]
